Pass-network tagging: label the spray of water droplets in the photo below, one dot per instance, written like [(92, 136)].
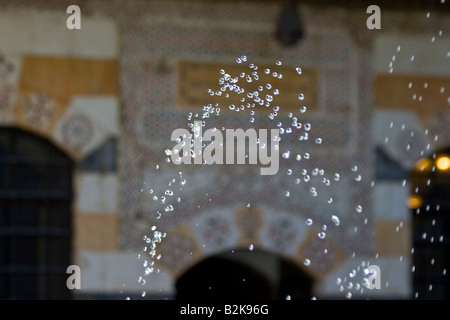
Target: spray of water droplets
[(256, 103)]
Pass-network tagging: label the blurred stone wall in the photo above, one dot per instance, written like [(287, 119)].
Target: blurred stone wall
[(119, 131)]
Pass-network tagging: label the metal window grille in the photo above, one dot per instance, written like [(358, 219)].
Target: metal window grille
[(35, 217)]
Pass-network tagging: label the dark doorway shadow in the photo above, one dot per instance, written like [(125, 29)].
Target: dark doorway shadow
[(244, 275)]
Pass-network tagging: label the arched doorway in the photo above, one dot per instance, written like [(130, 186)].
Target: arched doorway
[(430, 205), (244, 274), (35, 217)]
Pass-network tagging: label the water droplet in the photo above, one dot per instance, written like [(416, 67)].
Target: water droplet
[(336, 220), (287, 194), (358, 178), (239, 60), (286, 154), (321, 235), (337, 177), (299, 70), (358, 208), (278, 63), (288, 297), (309, 221), (307, 262), (148, 270), (251, 247), (306, 155), (303, 109), (355, 168), (301, 96), (319, 141)]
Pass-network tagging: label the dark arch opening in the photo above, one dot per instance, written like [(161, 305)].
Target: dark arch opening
[(244, 275), (35, 217), (430, 206)]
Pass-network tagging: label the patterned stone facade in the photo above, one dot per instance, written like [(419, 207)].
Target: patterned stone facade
[(135, 49)]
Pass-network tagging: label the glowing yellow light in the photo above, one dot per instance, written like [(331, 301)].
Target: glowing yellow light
[(423, 164), (443, 163), (414, 202)]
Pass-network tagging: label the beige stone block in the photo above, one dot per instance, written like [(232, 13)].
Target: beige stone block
[(429, 57), (49, 34), (112, 272), (389, 201), (44, 32), (97, 38), (97, 193), (96, 232), (392, 238), (15, 35), (424, 97)]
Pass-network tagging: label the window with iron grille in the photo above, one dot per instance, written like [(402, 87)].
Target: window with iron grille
[(430, 183), (35, 217)]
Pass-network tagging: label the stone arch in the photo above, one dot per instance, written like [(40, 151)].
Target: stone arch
[(244, 274), (249, 228)]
